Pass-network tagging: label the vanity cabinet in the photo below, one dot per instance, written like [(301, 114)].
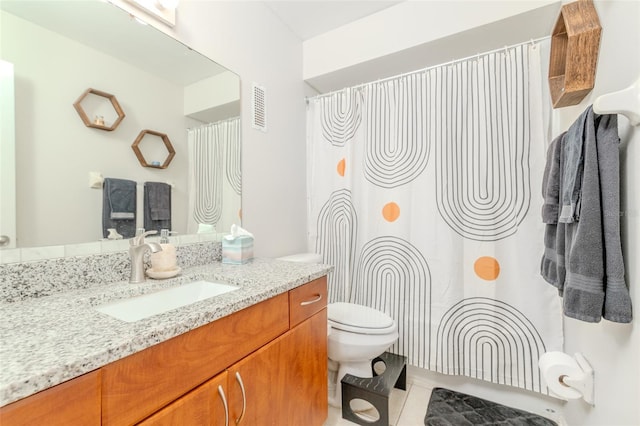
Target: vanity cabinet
[(268, 360), (277, 349), (76, 402), (282, 383), (285, 382), (137, 386)]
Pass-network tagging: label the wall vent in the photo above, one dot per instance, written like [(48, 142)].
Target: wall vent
[(259, 107)]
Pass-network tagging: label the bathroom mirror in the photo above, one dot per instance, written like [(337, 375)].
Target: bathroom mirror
[(59, 50)]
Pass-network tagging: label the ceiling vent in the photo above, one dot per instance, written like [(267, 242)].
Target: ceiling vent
[(259, 107)]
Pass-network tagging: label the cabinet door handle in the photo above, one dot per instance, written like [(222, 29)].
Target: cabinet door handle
[(244, 397), (312, 301), (226, 407)]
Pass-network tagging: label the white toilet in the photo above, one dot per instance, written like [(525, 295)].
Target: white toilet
[(357, 334)]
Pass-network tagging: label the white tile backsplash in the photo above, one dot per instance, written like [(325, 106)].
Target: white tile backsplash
[(211, 236), (83, 249), (189, 238), (10, 256), (112, 246), (41, 253)]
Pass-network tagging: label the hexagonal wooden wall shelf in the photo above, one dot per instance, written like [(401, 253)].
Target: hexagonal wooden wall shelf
[(98, 122), (575, 42), (167, 143)]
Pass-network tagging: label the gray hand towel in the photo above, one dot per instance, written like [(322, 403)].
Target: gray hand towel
[(551, 181), (573, 157), (552, 266), (119, 206), (157, 206)]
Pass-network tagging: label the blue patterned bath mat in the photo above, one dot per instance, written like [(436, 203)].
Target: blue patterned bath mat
[(450, 408)]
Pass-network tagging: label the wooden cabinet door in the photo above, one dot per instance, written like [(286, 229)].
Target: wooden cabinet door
[(257, 387), (306, 372), (204, 406), (76, 402), (285, 382)]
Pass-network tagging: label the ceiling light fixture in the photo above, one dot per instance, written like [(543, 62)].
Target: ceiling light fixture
[(136, 19), (163, 10), (169, 4)]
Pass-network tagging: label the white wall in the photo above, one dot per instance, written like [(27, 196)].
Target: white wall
[(213, 99), (614, 349), (411, 23), (416, 34), (248, 39)]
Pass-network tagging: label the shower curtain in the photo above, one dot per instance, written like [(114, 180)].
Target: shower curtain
[(214, 175), (423, 195)]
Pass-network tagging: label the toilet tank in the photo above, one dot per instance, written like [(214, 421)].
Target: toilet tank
[(303, 258)]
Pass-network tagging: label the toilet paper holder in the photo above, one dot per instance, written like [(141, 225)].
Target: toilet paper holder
[(582, 383), (579, 382)]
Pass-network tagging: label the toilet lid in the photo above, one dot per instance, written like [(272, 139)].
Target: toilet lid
[(359, 319)]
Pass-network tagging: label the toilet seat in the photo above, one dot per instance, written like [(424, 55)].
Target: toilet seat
[(359, 319)]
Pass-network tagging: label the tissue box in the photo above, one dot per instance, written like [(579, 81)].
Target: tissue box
[(238, 250)]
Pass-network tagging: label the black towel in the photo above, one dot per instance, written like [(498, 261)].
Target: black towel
[(119, 207), (157, 206)]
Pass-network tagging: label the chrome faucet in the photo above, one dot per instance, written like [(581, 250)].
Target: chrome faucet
[(137, 249)]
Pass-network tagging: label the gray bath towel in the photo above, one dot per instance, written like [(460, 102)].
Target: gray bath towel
[(157, 206), (583, 259), (119, 207)]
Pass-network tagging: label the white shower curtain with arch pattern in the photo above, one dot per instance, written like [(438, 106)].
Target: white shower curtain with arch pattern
[(423, 192), (215, 179)]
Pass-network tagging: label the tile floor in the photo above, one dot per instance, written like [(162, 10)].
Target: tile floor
[(406, 408)]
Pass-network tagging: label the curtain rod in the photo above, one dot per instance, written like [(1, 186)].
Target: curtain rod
[(455, 61), (215, 122)]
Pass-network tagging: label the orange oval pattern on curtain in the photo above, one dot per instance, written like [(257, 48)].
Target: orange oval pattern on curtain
[(391, 212), (487, 268), (342, 165)]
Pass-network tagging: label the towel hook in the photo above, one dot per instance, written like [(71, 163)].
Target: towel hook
[(625, 102)]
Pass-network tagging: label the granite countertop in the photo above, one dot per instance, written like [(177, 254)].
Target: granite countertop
[(46, 341)]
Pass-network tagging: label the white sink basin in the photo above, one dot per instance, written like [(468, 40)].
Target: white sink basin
[(139, 307)]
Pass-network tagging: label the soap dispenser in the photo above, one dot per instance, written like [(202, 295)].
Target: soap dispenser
[(163, 263), (164, 236)]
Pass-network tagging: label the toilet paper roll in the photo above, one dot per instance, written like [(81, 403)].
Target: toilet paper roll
[(554, 366)]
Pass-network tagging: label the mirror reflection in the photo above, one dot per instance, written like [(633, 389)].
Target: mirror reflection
[(60, 49)]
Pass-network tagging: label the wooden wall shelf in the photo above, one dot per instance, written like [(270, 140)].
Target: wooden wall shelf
[(575, 42), (167, 143), (93, 123)]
